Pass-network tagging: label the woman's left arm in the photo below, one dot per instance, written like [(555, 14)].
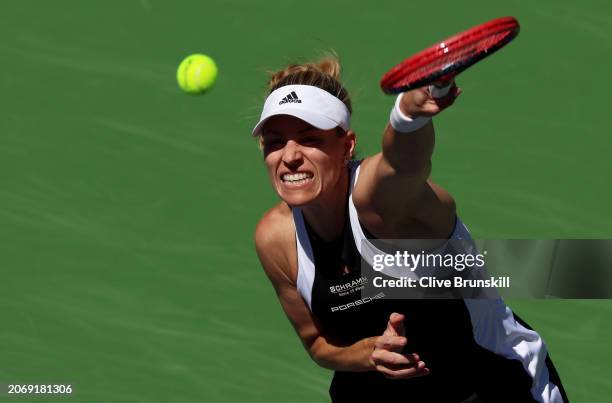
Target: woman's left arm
[(393, 185)]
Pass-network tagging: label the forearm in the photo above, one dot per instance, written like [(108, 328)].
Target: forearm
[(409, 153), (355, 357), (408, 141)]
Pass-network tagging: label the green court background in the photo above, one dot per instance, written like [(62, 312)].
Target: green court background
[(127, 207)]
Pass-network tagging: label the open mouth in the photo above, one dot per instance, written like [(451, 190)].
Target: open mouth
[(297, 178)]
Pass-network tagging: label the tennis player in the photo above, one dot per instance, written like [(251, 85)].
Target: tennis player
[(312, 243)]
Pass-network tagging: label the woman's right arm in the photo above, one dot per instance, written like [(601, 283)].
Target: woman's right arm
[(379, 353)]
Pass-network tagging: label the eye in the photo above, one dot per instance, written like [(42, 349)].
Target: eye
[(273, 143), (312, 140)]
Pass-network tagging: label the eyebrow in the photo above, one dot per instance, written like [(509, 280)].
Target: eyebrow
[(308, 129), (271, 131), (276, 132)]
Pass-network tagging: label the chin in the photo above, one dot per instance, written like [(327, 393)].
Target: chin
[(297, 200), (298, 197)]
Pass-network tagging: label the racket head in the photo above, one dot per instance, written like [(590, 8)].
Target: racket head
[(447, 58)]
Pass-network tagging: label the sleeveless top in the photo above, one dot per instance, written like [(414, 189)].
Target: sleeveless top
[(471, 346)]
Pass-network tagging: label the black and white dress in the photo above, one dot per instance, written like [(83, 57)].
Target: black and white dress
[(473, 347)]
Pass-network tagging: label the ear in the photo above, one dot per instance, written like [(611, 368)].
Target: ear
[(350, 141), (259, 140)]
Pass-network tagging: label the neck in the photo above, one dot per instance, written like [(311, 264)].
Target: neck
[(327, 215)]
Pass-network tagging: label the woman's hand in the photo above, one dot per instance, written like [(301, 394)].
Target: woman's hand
[(387, 357), (421, 102)]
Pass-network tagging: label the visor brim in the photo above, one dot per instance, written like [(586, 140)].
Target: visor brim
[(312, 118)]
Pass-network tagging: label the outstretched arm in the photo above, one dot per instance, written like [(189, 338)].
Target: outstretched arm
[(393, 185)]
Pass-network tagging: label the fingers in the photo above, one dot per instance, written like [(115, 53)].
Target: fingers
[(391, 343), (387, 357), (445, 96), (395, 325), (430, 100), (398, 366), (413, 372), (394, 360)]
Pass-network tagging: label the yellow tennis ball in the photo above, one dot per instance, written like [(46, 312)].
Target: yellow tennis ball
[(197, 74)]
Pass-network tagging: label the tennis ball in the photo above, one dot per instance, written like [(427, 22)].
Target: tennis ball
[(197, 74)]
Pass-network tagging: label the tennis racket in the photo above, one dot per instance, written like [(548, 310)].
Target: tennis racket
[(444, 60)]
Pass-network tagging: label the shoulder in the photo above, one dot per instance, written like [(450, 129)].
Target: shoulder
[(275, 243), (273, 227)]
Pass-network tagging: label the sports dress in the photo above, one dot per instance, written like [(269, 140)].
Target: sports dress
[(476, 349)]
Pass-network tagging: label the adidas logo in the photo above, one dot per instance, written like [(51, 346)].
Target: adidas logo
[(290, 98)]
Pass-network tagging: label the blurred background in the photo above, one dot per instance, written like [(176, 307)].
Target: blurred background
[(127, 207)]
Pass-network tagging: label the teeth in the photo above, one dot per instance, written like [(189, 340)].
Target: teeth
[(296, 177)]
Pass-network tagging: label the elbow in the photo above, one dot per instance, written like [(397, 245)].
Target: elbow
[(321, 363), (319, 355)]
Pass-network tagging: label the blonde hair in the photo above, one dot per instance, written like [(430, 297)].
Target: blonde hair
[(324, 73)]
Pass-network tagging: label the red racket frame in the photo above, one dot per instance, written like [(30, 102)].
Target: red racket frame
[(447, 58)]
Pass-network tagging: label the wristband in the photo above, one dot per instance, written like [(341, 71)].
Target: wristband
[(402, 123)]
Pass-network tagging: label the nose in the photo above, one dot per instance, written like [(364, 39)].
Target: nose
[(292, 155)]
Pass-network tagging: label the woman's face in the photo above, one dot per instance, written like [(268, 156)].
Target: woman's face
[(304, 162)]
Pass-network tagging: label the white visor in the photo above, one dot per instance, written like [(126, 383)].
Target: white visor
[(311, 104)]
